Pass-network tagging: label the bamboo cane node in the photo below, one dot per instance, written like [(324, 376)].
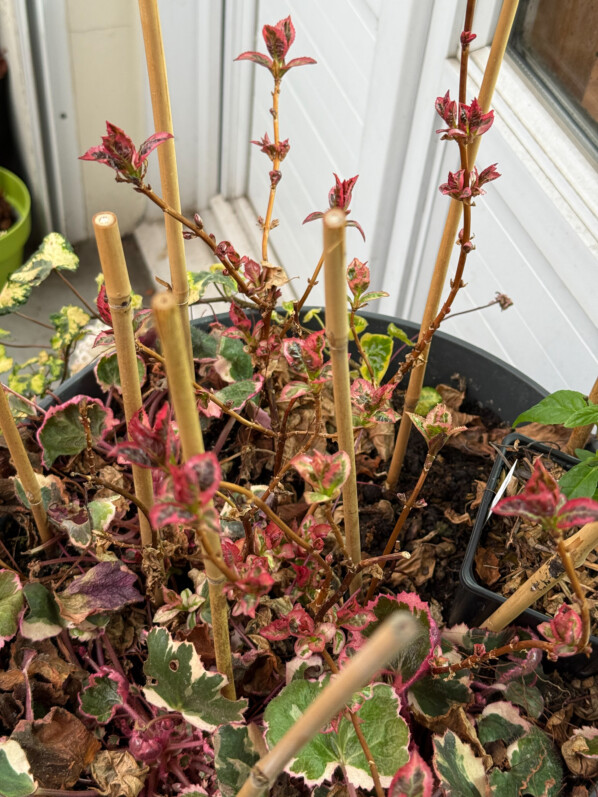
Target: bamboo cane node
[(216, 581), (124, 305), (260, 780)]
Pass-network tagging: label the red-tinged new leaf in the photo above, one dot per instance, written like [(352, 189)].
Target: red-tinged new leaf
[(564, 630), (277, 630), (313, 216), (357, 225), (150, 144), (104, 306), (358, 277), (540, 500), (257, 58), (278, 38), (302, 61), (577, 512), (167, 513), (415, 779), (326, 473), (130, 454), (204, 471)]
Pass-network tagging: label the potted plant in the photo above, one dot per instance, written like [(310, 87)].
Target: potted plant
[(201, 615), (15, 222)]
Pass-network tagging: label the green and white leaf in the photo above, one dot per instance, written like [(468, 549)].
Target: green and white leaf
[(528, 697), (178, 681), (198, 282), (6, 363), (54, 252), (535, 768), (11, 604), (102, 512), (501, 720), (360, 325), (460, 772), (100, 699), (428, 399), (15, 773), (384, 729), (396, 332), (43, 619), (235, 754), (12, 296), (378, 349), (69, 324)]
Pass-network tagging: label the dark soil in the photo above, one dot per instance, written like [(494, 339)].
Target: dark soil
[(7, 215)]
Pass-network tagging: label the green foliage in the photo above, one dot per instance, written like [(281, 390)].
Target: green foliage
[(459, 770), (100, 698), (563, 406), (69, 324), (535, 768), (581, 481), (384, 730), (63, 431), (235, 755), (108, 375), (378, 349), (198, 282), (435, 696), (428, 399), (178, 681), (43, 619)]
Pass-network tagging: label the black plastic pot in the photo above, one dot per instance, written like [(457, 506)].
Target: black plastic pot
[(488, 380), (475, 602)]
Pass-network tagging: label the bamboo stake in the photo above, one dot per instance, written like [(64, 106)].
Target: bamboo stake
[(158, 81), (544, 579), (579, 436), (337, 333), (23, 467), (398, 632), (118, 290), (183, 398), (449, 236)]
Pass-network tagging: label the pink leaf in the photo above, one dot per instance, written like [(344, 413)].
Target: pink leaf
[(150, 144), (415, 779), (257, 58)]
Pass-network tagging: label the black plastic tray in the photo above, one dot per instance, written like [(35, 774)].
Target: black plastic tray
[(475, 602)]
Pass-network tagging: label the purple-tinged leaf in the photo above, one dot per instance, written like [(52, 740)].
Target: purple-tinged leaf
[(166, 513), (278, 38), (577, 512), (415, 779), (257, 58), (150, 144), (106, 587), (357, 225), (313, 216), (301, 61)]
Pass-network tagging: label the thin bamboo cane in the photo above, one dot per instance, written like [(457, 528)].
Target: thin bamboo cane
[(23, 467), (337, 333), (118, 290), (449, 236), (544, 579), (579, 436), (185, 408), (398, 632), (156, 69)]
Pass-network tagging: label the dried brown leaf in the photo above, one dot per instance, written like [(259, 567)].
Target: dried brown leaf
[(58, 748), (486, 565), (118, 774)]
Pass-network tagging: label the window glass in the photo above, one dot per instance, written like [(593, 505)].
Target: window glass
[(556, 43)]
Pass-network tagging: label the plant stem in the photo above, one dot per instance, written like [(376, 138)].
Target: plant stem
[(337, 334), (409, 504), (23, 467), (33, 320), (183, 399), (358, 732), (396, 633), (275, 167), (579, 545), (71, 287), (223, 406), (27, 345), (579, 593), (118, 291), (156, 70), (360, 348), (288, 532), (449, 235), (476, 659), (579, 436)]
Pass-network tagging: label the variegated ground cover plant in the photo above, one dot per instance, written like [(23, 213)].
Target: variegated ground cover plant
[(109, 684)]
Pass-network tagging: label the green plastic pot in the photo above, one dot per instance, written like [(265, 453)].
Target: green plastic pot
[(12, 242)]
